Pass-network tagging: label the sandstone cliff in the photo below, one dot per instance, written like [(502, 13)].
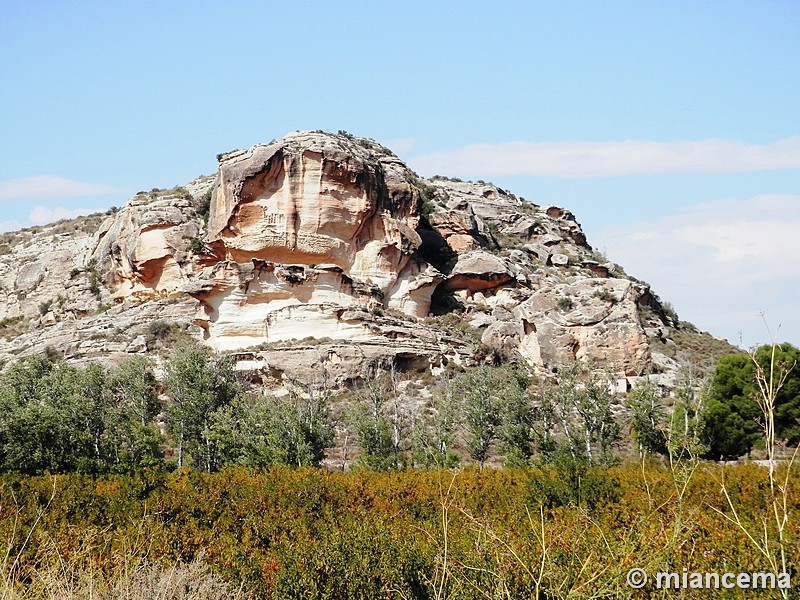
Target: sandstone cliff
[(322, 249)]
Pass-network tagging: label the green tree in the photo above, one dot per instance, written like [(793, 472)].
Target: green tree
[(54, 417), (545, 418), (647, 417), (583, 405), (378, 421), (260, 431), (198, 384), (480, 391), (434, 432), (686, 421), (304, 419), (243, 433), (517, 415), (136, 388), (733, 421), (137, 441)]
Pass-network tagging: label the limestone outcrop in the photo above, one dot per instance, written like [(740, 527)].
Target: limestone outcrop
[(145, 249), (325, 249), (305, 228)]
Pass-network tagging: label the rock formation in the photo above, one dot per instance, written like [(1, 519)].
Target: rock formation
[(326, 249)]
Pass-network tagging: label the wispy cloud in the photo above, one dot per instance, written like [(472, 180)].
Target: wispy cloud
[(10, 226), (609, 159), (402, 145), (42, 215), (722, 263), (43, 187)]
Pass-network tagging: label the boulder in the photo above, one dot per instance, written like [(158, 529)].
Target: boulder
[(477, 271)]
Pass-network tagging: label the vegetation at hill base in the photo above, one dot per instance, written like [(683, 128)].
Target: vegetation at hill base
[(58, 418), (114, 480), (733, 416), (565, 531)]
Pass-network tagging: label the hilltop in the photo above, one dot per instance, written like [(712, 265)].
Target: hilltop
[(326, 250)]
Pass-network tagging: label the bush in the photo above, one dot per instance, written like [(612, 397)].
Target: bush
[(94, 284), (569, 481), (160, 330), (302, 533), (44, 307), (203, 205), (565, 303), (196, 245), (605, 296)]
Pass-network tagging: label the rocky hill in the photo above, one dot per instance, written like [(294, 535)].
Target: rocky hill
[(326, 251)]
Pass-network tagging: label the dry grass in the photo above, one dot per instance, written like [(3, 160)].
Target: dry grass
[(75, 575), (11, 327), (137, 580)]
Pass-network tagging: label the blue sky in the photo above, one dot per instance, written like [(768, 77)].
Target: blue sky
[(670, 129)]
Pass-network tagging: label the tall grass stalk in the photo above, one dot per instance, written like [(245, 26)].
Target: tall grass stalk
[(770, 539)]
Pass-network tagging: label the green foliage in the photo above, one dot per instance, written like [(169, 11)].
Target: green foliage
[(733, 421), (647, 418), (44, 307), (565, 303), (159, 329), (686, 422), (135, 387), (198, 385), (787, 403), (267, 430), (167, 333), (517, 416), (427, 200), (94, 284), (727, 433), (434, 437), (196, 244), (583, 406), (605, 295), (570, 481), (58, 418), (481, 392), (203, 205), (9, 321), (378, 438), (374, 436)]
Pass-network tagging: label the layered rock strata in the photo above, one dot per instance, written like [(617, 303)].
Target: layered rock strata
[(326, 249)]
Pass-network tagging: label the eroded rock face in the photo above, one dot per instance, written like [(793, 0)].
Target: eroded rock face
[(145, 249), (478, 271), (589, 320), (311, 199), (314, 198), (321, 249)]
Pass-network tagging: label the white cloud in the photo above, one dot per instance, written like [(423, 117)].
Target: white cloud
[(46, 186), (6, 226), (609, 159), (402, 145), (42, 215), (721, 264)]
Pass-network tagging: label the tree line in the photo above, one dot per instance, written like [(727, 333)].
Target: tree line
[(56, 417)]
